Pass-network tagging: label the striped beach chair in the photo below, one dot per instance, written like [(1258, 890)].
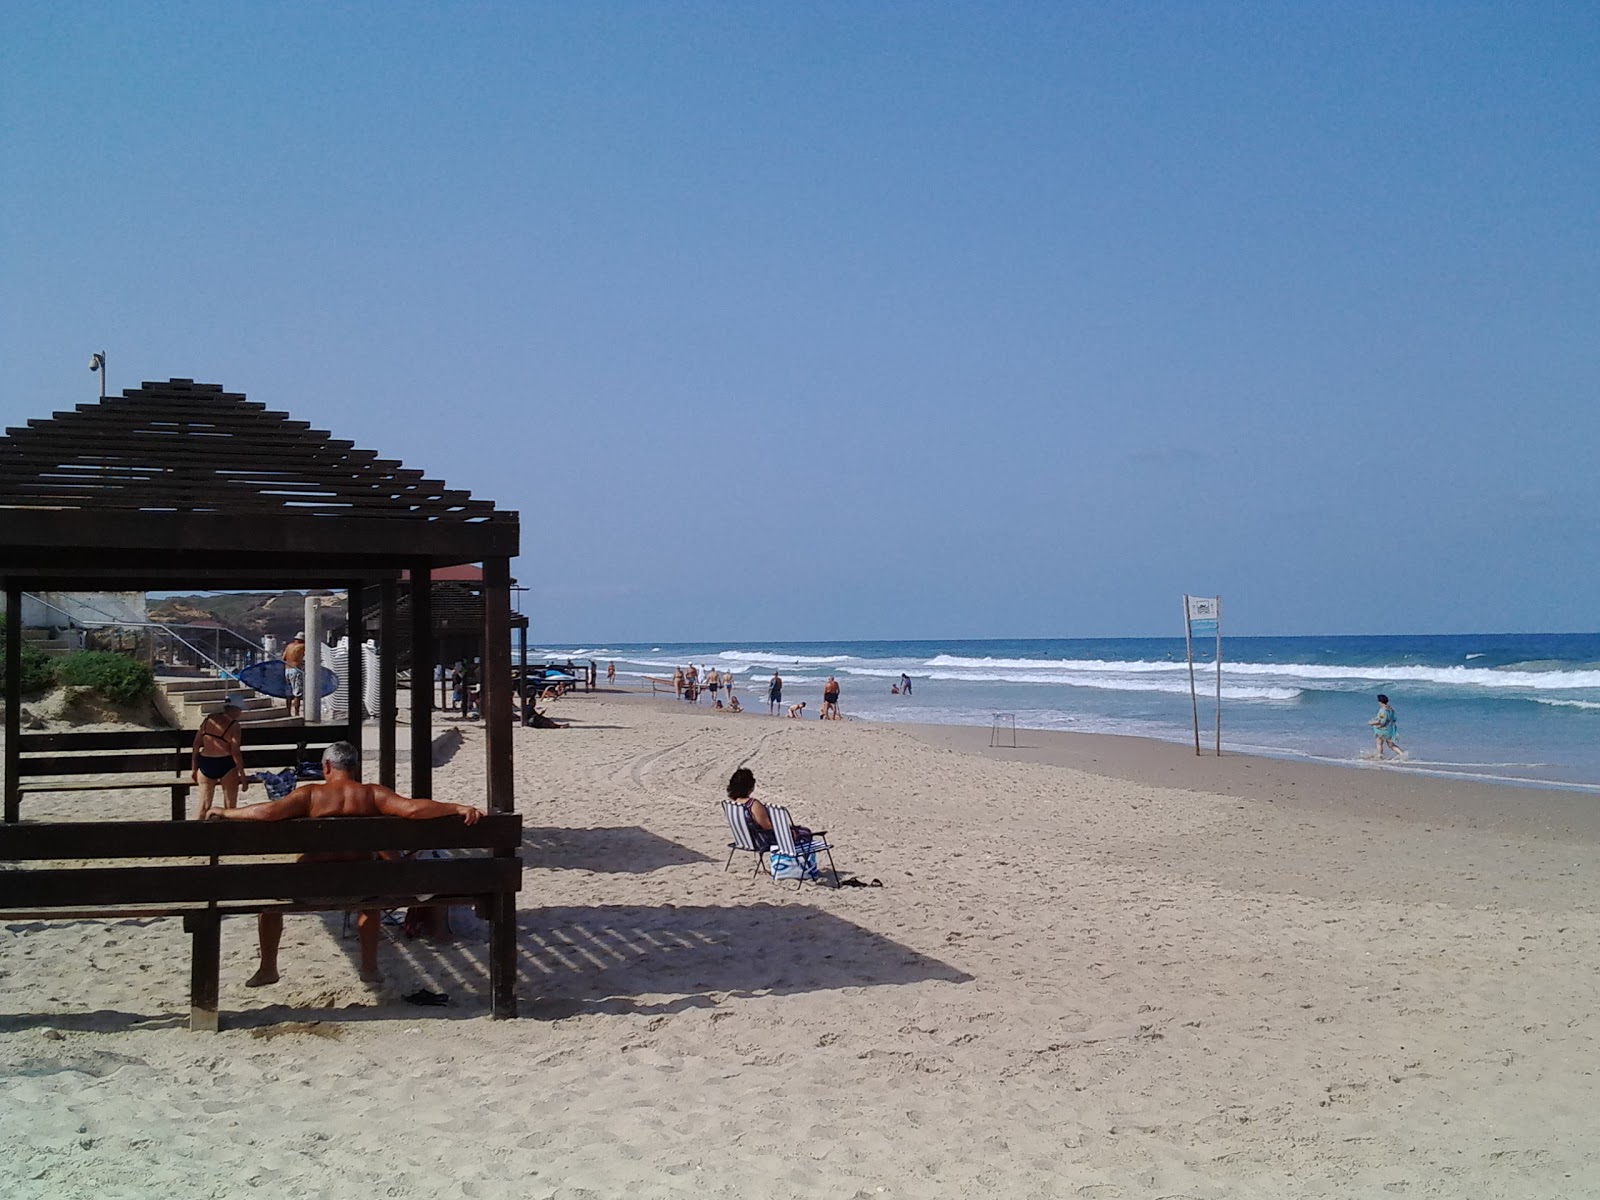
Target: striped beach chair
[(742, 837), (783, 835)]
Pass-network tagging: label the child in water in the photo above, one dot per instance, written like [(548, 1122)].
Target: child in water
[(1387, 728)]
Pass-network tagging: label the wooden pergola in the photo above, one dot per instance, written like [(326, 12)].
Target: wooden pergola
[(457, 604), (179, 485)]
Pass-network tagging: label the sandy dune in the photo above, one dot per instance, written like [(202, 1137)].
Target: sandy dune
[(1071, 984)]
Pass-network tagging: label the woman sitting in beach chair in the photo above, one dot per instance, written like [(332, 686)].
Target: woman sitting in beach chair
[(741, 790)]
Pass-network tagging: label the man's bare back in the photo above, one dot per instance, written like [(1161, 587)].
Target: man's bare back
[(341, 796)]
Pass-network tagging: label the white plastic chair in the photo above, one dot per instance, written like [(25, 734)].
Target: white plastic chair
[(783, 835), (739, 827)]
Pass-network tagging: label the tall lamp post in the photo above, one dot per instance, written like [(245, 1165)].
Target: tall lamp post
[(97, 362)]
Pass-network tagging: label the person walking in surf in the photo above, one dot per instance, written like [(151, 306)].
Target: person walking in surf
[(1387, 728)]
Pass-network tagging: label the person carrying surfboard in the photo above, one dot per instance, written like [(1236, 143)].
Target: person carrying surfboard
[(294, 670)]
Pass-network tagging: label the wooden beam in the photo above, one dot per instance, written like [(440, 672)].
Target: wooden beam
[(290, 736), (422, 657), (497, 683), (130, 537), (388, 710), (258, 881), (13, 754), (205, 968), (503, 956), (355, 691), (46, 841)]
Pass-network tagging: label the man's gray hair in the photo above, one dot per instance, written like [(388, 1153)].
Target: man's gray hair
[(342, 756)]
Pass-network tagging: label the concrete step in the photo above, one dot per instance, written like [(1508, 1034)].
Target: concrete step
[(207, 694), (208, 683), (251, 703), (187, 702)]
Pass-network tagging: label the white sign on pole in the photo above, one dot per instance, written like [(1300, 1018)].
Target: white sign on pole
[(1202, 617)]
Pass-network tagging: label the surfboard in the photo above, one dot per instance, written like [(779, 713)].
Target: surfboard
[(269, 679)]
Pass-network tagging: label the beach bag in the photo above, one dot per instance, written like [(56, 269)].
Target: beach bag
[(793, 866)]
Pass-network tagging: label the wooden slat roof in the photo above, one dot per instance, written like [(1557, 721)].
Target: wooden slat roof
[(185, 466), (456, 607), (193, 447)]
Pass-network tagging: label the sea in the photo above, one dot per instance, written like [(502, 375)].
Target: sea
[(1512, 708)]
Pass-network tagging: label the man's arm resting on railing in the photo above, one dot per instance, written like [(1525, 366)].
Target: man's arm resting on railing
[(392, 804), (296, 804)]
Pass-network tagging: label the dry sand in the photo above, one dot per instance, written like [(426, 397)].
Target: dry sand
[(1096, 968)]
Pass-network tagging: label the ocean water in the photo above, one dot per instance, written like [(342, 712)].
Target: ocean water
[(1520, 708)]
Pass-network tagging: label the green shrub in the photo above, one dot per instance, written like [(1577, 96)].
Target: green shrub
[(118, 678), (38, 670)]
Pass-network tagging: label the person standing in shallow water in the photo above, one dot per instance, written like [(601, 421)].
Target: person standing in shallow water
[(774, 693), (830, 700), (1387, 727)]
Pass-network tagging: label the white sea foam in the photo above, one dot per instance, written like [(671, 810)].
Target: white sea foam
[(773, 658), (1103, 682), (1589, 705), (1471, 677)]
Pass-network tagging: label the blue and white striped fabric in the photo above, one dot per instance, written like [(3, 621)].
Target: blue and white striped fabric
[(792, 859), (743, 839)]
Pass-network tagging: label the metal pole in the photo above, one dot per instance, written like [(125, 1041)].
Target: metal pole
[(1219, 676), (1188, 646)]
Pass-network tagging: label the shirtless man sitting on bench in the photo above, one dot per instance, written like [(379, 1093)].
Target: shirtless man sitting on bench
[(340, 795)]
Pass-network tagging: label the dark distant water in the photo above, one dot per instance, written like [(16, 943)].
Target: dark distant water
[(1514, 707)]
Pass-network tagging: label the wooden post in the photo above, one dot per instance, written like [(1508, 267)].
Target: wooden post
[(13, 800), (422, 657), (522, 662), (388, 711), (503, 955), (205, 967), (1194, 703), (355, 669), (496, 677)]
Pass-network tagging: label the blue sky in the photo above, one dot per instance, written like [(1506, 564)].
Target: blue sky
[(883, 320)]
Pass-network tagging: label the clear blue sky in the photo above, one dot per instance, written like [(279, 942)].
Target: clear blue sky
[(867, 320)]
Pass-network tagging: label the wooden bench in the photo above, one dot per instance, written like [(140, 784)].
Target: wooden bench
[(202, 894), (149, 759)]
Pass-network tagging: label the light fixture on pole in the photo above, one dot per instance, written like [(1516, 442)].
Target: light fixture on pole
[(97, 362)]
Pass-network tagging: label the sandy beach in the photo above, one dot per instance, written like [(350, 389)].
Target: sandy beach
[(1097, 967)]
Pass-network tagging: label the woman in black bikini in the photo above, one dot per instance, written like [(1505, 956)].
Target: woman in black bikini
[(216, 759)]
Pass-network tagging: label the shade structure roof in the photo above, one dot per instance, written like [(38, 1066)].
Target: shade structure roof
[(186, 480), (454, 608)]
